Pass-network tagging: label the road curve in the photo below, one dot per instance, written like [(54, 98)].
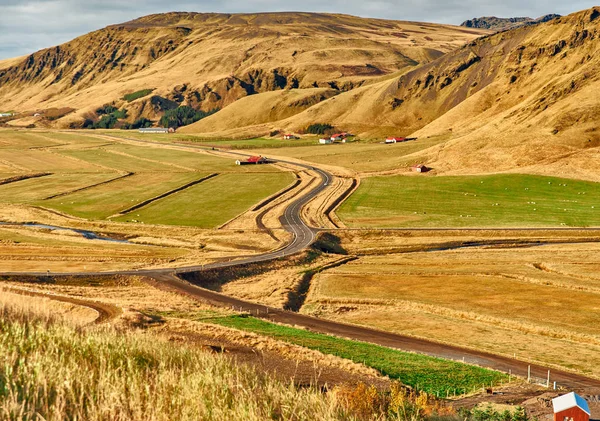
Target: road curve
[(106, 312), (303, 236)]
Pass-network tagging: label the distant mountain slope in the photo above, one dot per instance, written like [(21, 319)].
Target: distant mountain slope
[(526, 98), (211, 60), (501, 24)]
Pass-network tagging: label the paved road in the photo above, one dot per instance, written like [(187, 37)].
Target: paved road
[(303, 236)]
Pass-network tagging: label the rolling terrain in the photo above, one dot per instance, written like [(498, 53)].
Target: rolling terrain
[(522, 100), (209, 61)]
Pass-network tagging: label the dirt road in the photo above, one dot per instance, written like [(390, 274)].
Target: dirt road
[(106, 312), (564, 379)]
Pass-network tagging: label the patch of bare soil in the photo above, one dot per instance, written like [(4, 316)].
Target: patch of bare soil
[(301, 370)]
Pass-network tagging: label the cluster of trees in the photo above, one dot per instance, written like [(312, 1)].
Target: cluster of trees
[(110, 117), (183, 116), (177, 117), (140, 123), (319, 128)]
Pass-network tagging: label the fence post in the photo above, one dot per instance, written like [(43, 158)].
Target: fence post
[(528, 374), (548, 380)]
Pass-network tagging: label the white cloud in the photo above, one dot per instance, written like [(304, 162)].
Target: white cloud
[(30, 25)]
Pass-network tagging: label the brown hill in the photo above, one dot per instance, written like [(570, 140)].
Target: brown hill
[(211, 60), (526, 98)]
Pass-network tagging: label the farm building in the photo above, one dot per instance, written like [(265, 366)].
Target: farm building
[(6, 114), (157, 130), (326, 141), (571, 407), (395, 140), (420, 168), (256, 160), (290, 137)]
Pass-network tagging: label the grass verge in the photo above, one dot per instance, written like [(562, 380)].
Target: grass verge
[(428, 374)]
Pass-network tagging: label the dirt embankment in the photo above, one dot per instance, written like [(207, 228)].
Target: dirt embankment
[(106, 312)]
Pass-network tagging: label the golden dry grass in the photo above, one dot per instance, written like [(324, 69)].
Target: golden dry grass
[(539, 302), (46, 308)]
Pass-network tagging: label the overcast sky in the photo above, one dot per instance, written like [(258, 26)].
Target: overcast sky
[(30, 25)]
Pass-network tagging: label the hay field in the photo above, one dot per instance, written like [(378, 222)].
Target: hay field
[(506, 200), (538, 303)]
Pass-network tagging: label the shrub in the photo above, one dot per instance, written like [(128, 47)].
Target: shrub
[(137, 95), (183, 116), (141, 122), (106, 122), (106, 109), (319, 128)]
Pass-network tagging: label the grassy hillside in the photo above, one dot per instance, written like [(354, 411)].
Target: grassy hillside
[(518, 99), (209, 61)]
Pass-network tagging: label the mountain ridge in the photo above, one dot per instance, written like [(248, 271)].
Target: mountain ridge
[(209, 61), (503, 24)]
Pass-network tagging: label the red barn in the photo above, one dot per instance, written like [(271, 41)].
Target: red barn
[(395, 139), (253, 160), (571, 407)]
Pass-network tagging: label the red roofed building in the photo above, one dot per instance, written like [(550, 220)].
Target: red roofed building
[(571, 407), (253, 160)]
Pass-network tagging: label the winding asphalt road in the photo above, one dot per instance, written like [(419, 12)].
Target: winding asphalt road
[(304, 236)]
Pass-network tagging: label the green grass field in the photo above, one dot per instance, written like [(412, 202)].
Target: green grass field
[(78, 162), (108, 199), (191, 160), (212, 202), (35, 189), (429, 374), (512, 200)]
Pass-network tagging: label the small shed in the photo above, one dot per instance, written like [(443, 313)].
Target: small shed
[(571, 407), (156, 130), (420, 168), (395, 139), (326, 141), (290, 137)]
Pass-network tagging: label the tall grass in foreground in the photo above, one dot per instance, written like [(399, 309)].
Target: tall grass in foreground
[(51, 371)]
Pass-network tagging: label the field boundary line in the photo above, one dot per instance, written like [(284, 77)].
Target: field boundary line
[(298, 296), (23, 178), (88, 187), (166, 194), (277, 195)]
